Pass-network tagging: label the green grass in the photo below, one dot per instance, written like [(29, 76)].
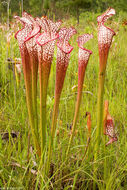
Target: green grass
[(73, 174)]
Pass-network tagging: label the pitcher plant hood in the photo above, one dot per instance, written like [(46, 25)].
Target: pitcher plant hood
[(48, 37), (63, 55), (105, 35), (83, 58)]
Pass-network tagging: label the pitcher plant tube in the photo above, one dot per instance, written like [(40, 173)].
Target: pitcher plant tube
[(63, 56), (83, 58), (21, 36), (46, 42)]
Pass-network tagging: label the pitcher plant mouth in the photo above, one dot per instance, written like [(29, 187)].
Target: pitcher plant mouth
[(63, 56), (104, 17), (64, 36), (82, 40), (43, 35), (105, 35), (49, 31)]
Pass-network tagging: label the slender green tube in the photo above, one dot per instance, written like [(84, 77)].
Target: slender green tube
[(75, 119), (44, 72), (100, 109), (43, 97), (53, 129), (34, 68), (28, 85), (105, 123), (99, 119)]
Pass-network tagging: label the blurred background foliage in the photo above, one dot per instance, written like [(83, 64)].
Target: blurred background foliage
[(57, 9)]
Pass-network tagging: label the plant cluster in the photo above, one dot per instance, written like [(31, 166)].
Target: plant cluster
[(37, 41)]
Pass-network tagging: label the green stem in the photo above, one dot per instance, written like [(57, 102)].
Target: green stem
[(43, 95), (99, 118), (105, 162), (44, 70), (78, 102), (34, 66), (100, 108), (53, 129), (81, 74), (27, 77), (104, 127)]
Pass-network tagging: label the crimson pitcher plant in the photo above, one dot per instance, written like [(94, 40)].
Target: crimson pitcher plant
[(46, 42), (105, 36), (33, 49), (63, 56), (83, 58), (22, 36)]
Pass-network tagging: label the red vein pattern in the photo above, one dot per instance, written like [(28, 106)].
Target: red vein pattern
[(83, 58), (105, 36), (63, 56)]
